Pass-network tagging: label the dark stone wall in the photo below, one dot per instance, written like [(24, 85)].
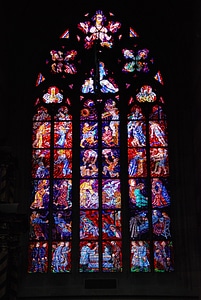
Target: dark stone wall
[(174, 32)]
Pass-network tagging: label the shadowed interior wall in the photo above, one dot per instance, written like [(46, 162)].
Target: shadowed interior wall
[(174, 32)]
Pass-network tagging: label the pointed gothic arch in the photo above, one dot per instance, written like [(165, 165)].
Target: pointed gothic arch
[(100, 169)]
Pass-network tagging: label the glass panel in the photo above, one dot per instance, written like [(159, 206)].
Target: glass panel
[(111, 224), (111, 194), (62, 61), (89, 224), (53, 95), (163, 256), (159, 162), (89, 163), (89, 257), (135, 114), (136, 133), (38, 257), (88, 134), (110, 133), (39, 227), (139, 224), (158, 134), (89, 193), (62, 194), (105, 82), (62, 225), (41, 135), (136, 60), (63, 163), (61, 257), (112, 256), (62, 134), (140, 256), (160, 193), (146, 94), (138, 193), (110, 162), (40, 194), (161, 224), (41, 163), (89, 111), (137, 166)]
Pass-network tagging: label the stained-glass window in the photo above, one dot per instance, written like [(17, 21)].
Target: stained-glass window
[(100, 159)]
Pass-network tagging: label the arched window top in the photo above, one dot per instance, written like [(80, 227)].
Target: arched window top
[(100, 153), (102, 32)]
